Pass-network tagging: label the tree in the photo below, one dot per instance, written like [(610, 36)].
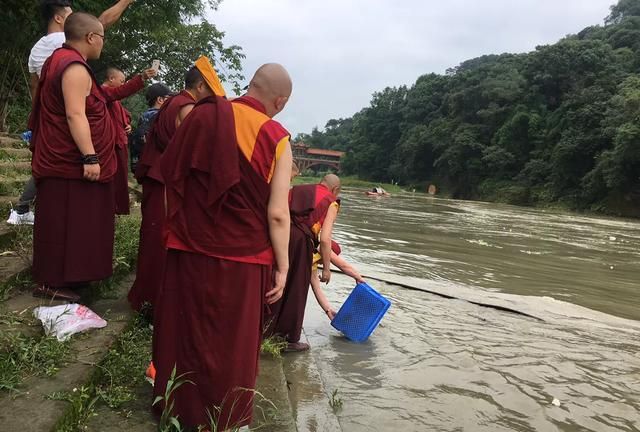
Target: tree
[(623, 9), (561, 123), (174, 31)]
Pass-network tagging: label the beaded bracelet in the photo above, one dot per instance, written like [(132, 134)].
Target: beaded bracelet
[(90, 159)]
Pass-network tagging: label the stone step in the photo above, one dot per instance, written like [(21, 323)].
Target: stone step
[(15, 259), (12, 142), (13, 168), (273, 411), (6, 204), (15, 154), (13, 185), (34, 408)]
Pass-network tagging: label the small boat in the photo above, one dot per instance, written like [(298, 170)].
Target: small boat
[(378, 191)]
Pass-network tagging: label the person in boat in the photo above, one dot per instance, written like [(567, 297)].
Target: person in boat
[(379, 191)]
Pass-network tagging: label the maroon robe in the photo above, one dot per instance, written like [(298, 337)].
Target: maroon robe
[(308, 205), (208, 316), (152, 251), (122, 118), (73, 234)]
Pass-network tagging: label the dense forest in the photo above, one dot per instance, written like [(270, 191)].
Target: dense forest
[(174, 31), (559, 125)]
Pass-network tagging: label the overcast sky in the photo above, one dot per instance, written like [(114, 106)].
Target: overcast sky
[(339, 52)]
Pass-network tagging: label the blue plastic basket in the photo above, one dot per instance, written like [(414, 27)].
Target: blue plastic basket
[(361, 313)]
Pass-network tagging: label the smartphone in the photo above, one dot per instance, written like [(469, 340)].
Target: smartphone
[(155, 65)]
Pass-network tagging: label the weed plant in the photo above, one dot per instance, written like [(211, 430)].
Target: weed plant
[(123, 369), (22, 356), (273, 346), (335, 402)]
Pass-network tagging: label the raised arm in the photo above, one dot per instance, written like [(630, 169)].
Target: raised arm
[(113, 14), (33, 86), (131, 87), (280, 222)]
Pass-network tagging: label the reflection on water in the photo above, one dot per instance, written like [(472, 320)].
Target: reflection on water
[(447, 365)]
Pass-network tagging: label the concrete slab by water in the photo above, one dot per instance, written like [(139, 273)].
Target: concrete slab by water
[(308, 396)]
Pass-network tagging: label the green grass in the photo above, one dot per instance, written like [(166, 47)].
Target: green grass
[(123, 368), (12, 186), (273, 346), (22, 242), (118, 376), (15, 169), (125, 253), (23, 356), (7, 156), (82, 403), (115, 379), (22, 280), (18, 242)]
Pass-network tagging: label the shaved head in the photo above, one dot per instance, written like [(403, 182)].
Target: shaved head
[(114, 77), (114, 72), (272, 86), (80, 24), (273, 80), (331, 181)]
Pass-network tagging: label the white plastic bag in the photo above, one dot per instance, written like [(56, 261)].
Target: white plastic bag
[(66, 320)]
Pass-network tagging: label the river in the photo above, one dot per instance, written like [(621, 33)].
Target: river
[(439, 364)]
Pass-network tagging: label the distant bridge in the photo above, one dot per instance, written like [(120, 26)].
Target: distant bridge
[(306, 157)]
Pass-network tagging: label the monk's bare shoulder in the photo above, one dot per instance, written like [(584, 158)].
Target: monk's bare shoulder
[(76, 76)]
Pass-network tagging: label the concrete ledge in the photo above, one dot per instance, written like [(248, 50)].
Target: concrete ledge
[(307, 394), (272, 411)]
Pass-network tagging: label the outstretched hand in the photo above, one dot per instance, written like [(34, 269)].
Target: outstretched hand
[(148, 74)]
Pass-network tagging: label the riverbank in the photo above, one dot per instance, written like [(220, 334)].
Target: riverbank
[(354, 182), (505, 194)]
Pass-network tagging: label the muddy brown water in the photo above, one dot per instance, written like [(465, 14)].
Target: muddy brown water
[(437, 364)]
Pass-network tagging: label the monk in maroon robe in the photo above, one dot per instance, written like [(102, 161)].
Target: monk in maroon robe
[(122, 122), (74, 164), (227, 180), (152, 251), (314, 209)]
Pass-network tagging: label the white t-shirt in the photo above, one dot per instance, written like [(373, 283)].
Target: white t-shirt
[(43, 49)]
